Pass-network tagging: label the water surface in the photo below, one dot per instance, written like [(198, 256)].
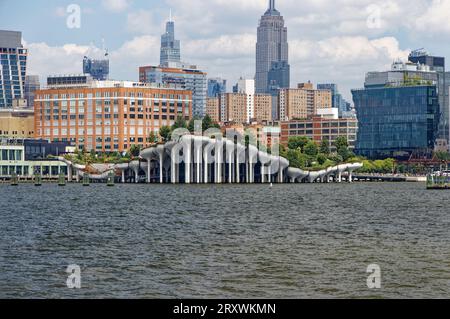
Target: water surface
[(240, 241)]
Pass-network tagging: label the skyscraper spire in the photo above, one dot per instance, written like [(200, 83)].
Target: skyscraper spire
[(272, 11), (170, 15)]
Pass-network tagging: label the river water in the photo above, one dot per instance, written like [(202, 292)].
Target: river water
[(241, 241)]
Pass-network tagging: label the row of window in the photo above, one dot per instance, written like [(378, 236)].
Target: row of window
[(23, 170), (115, 94), (323, 131), (11, 155)]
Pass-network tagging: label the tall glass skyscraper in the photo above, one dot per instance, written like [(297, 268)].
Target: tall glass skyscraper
[(437, 64), (170, 47), (98, 69), (337, 99), (272, 56), (398, 112), (13, 62), (216, 87)]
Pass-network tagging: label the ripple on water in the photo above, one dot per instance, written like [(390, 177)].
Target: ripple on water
[(243, 241)]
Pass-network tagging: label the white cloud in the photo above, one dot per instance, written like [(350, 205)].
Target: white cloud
[(116, 5), (141, 22), (68, 59), (436, 18), (330, 40)]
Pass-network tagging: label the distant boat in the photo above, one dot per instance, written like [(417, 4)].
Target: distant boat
[(438, 180)]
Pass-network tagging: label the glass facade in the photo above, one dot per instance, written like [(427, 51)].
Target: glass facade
[(437, 64), (187, 79), (98, 69), (396, 121), (170, 47), (13, 66), (338, 100), (216, 87)]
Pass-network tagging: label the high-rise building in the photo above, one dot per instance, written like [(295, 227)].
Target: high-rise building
[(106, 116), (189, 79), (272, 56), (262, 110), (32, 84), (398, 112), (303, 102), (98, 69), (213, 109), (247, 87), (216, 87), (170, 47), (234, 108), (338, 100), (437, 64), (13, 62), (243, 106)]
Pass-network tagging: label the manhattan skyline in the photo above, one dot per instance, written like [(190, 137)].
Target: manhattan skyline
[(329, 41)]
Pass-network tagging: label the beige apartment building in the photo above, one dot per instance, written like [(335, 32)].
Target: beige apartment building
[(17, 123), (263, 108), (212, 108), (240, 108), (302, 102), (233, 108)]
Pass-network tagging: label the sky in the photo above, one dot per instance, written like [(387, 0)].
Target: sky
[(330, 41)]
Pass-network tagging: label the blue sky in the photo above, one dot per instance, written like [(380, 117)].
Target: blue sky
[(330, 40)]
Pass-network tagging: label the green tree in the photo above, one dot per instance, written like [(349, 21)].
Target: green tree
[(322, 159), (135, 150), (443, 156), (298, 142), (325, 147), (340, 143), (342, 150), (311, 149), (180, 122), (297, 159), (152, 138), (208, 123), (165, 133)]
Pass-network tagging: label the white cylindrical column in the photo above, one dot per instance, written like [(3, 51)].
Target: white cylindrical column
[(161, 168), (230, 168), (173, 169), (263, 177), (149, 171), (187, 164), (69, 172)]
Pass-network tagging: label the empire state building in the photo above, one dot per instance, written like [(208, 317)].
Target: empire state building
[(272, 62)]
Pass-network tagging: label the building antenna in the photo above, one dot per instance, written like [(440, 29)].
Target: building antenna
[(170, 15), (104, 49)]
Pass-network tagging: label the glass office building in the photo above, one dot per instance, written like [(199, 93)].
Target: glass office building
[(396, 121), (13, 66), (338, 100), (170, 55), (216, 87), (98, 69), (192, 79)]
